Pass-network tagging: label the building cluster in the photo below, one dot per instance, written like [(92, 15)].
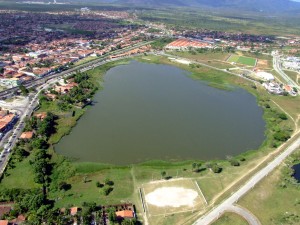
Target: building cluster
[(121, 211), (291, 63), (139, 50), (31, 49), (7, 121), (278, 89), (5, 209), (185, 44)]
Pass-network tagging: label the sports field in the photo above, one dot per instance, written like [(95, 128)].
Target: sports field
[(242, 60), (176, 196)]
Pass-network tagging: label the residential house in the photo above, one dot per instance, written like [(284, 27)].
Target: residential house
[(125, 214), (74, 210), (5, 209), (41, 115), (27, 135)]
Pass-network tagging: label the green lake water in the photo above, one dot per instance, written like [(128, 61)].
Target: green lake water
[(150, 111)]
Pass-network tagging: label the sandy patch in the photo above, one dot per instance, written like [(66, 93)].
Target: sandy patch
[(172, 197), (182, 61)]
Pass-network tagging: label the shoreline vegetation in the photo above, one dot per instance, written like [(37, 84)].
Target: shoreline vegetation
[(218, 173)]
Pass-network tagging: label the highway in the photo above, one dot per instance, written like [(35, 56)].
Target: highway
[(277, 68), (226, 205), (8, 93), (16, 132), (25, 111)]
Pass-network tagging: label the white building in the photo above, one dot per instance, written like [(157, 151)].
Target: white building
[(264, 76)]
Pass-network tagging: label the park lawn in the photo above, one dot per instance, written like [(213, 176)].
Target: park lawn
[(222, 56), (242, 60), (272, 204), (233, 58), (293, 75), (21, 176), (88, 192), (229, 218), (220, 65), (174, 219), (246, 61)]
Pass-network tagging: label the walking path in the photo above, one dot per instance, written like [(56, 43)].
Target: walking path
[(228, 203)]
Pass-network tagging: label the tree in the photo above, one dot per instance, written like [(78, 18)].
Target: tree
[(99, 185), (109, 182), (39, 143), (281, 135), (112, 217), (42, 169), (64, 186), (196, 167), (23, 90), (234, 162), (106, 190), (282, 116), (216, 168)]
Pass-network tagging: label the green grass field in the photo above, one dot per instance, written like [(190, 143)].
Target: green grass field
[(242, 60), (230, 219)]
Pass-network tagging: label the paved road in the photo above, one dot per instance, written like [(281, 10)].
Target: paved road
[(277, 67), (228, 203), (8, 93), (251, 219), (15, 134), (203, 64), (12, 137)]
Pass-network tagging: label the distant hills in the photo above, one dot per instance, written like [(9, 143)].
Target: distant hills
[(252, 5)]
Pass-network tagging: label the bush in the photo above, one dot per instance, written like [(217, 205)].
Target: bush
[(107, 181), (281, 135), (282, 116), (99, 185), (216, 168), (106, 190), (234, 162)]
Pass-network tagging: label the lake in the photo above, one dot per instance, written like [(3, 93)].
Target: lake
[(296, 174), (149, 111)]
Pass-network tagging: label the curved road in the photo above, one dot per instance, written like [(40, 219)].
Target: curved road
[(251, 219), (228, 203)]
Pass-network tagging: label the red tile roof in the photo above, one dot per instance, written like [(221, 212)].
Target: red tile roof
[(26, 135), (3, 222), (125, 214)]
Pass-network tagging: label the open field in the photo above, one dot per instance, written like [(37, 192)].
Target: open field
[(173, 196), (20, 176), (293, 75), (88, 191), (230, 219), (242, 60), (221, 56), (274, 201)]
